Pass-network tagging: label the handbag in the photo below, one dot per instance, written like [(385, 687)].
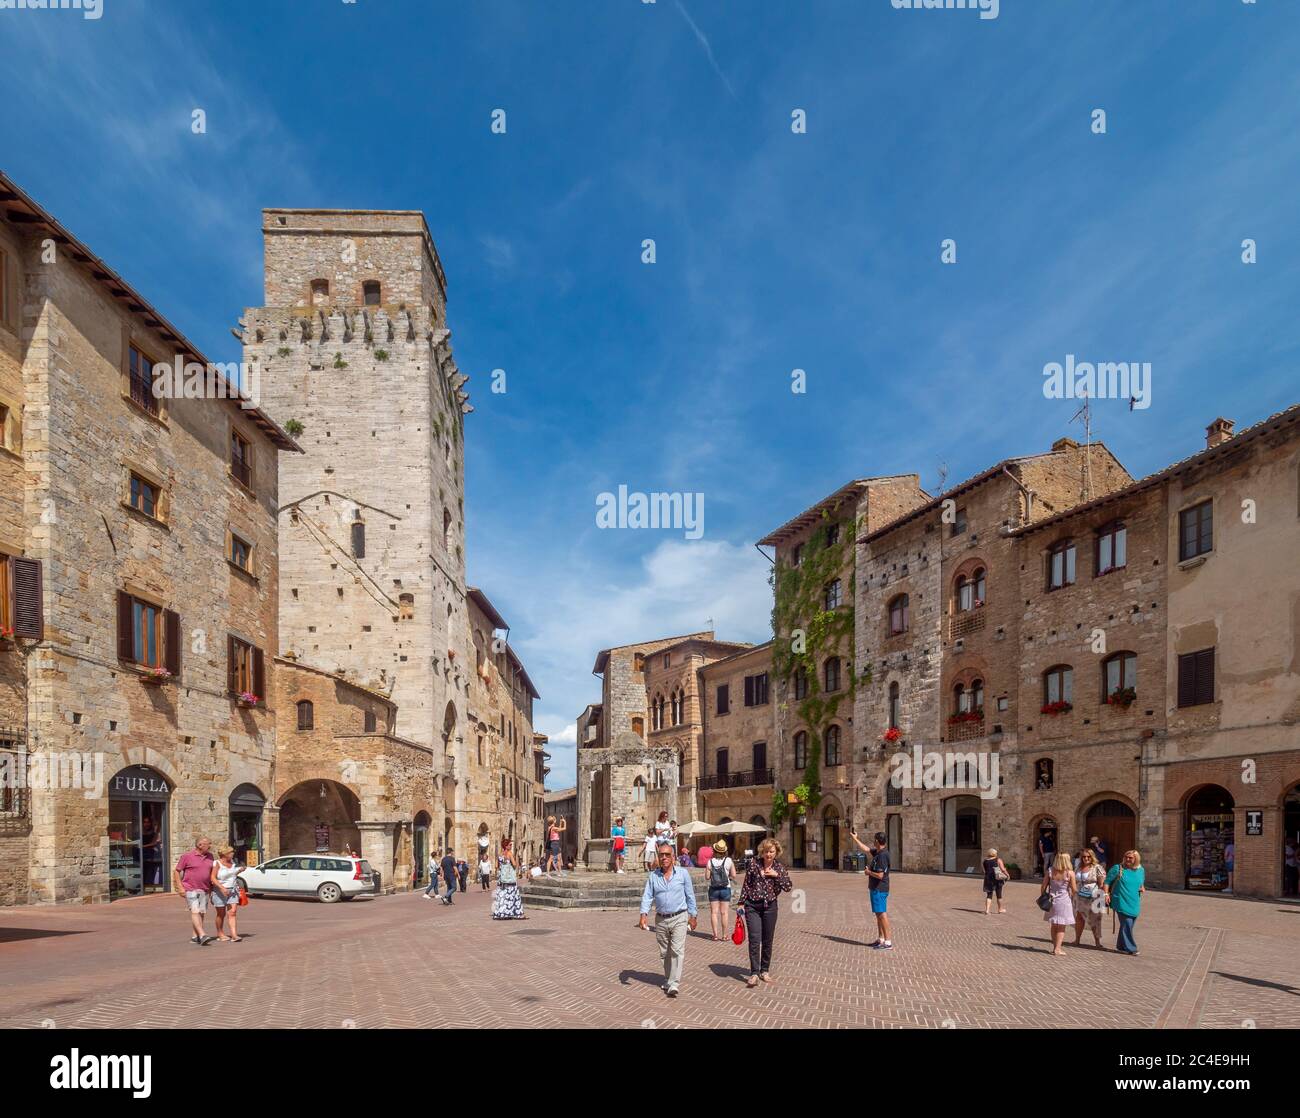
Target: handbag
[(1045, 902), (999, 874), (738, 933)]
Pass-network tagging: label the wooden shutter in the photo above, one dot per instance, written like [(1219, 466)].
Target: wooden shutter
[(125, 627), (172, 642), (749, 690), (27, 610), (232, 678), (259, 674), (1205, 676)]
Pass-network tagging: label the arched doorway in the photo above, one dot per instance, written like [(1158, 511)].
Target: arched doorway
[(1291, 843), (319, 816), (447, 829), (1208, 835), (830, 837), (799, 844), (894, 841), (420, 847), (139, 858), (1115, 823), (961, 834), (1042, 832), (246, 803)]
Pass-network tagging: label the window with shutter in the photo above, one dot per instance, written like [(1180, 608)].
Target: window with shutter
[(760, 756), (259, 674), (724, 700), (1196, 678), (26, 598), (172, 642), (749, 690), (724, 762)]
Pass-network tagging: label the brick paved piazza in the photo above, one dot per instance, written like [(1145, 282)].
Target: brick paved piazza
[(406, 962)]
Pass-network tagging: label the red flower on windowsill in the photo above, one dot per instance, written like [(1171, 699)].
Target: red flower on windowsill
[(247, 699), (6, 632), (1058, 707), (966, 716), (157, 675), (1124, 697), (893, 734)]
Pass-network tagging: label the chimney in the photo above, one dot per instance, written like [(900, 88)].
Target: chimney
[(1064, 444), (1220, 431)]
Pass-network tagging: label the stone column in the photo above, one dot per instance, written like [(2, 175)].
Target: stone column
[(377, 848), (270, 832)]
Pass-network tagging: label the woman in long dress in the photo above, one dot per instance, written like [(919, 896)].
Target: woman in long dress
[(1058, 883), (507, 903)]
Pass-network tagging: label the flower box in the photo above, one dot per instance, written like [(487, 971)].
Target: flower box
[(1059, 707), (156, 675), (892, 734), (1124, 697), (966, 716), (247, 699), (6, 633)]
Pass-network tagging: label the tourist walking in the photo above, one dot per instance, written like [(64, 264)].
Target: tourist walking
[(1099, 848), (433, 877), (192, 878), (995, 876), (1125, 885), (722, 872), (672, 892), (765, 880), (1058, 884), (462, 873), (618, 843), (878, 886), (484, 871), (225, 893), (1046, 851), (507, 904), (1089, 903), (449, 875), (662, 828)]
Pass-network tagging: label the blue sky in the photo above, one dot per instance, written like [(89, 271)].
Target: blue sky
[(775, 251)]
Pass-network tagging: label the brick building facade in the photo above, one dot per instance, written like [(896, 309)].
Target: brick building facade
[(139, 555)]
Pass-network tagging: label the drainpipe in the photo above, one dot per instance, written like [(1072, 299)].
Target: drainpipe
[(1029, 494)]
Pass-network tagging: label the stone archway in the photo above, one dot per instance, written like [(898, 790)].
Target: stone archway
[(319, 814)]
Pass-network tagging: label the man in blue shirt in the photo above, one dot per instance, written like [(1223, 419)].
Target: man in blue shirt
[(672, 892)]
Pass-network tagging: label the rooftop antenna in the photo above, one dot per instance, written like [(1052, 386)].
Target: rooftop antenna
[(943, 475), (1085, 413)]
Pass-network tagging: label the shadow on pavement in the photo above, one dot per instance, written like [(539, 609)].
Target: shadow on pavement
[(13, 935), (647, 977)]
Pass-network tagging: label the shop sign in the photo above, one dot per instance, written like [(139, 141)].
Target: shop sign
[(138, 783), (1254, 822)]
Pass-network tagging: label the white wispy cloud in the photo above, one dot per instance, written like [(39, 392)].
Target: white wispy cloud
[(708, 48)]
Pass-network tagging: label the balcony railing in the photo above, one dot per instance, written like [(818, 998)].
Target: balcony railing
[(749, 779), (965, 623), (965, 731)]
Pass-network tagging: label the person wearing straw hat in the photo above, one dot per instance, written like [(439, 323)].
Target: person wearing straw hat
[(722, 872)]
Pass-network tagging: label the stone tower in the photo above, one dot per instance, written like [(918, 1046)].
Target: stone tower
[(352, 344)]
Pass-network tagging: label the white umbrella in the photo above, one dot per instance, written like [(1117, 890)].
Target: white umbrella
[(737, 828), (696, 826)]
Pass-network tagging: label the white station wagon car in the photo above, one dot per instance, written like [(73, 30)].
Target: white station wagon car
[(331, 877)]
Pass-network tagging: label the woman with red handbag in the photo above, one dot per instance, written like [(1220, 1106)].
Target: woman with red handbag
[(765, 880)]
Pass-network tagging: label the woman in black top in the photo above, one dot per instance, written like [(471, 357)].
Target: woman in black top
[(992, 884), (765, 880)]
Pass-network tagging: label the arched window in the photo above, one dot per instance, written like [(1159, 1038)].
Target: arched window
[(1119, 678), (898, 615), (801, 750), (976, 696), (1112, 547), (1058, 685), (833, 746), (306, 715), (370, 292), (832, 673), (970, 591), (638, 790), (894, 701), (406, 606), (1060, 565), (678, 708), (657, 712)]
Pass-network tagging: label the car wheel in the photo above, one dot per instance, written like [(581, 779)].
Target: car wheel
[(329, 893)]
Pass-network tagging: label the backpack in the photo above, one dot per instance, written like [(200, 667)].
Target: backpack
[(718, 874)]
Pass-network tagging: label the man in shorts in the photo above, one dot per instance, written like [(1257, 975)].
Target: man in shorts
[(878, 884), (192, 878)]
